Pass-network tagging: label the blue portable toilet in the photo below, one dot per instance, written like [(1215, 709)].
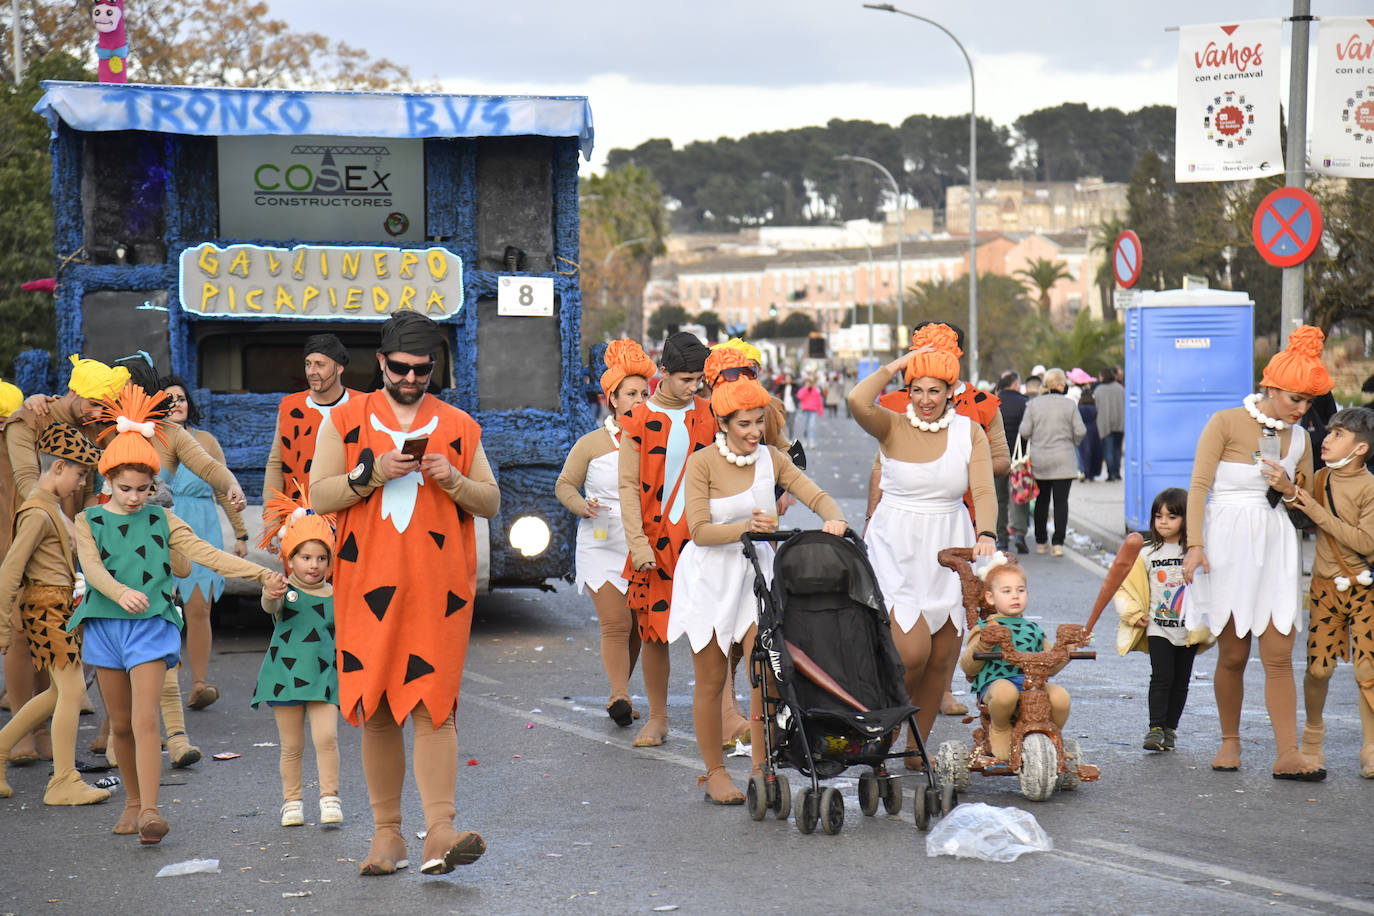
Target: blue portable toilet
[(1189, 353)]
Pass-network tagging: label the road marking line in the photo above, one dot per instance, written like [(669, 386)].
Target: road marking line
[(478, 678), (1219, 890), (1233, 875), (649, 753)]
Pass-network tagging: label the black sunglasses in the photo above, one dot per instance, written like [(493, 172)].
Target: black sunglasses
[(421, 370), (734, 372)]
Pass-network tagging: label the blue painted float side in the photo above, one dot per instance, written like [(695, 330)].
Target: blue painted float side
[(525, 447)]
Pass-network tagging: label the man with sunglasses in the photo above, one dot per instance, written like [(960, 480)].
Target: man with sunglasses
[(406, 473), (300, 415)]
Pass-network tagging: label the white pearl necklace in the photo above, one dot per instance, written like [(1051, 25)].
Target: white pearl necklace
[(738, 460), (935, 427), (612, 428), (1260, 416)]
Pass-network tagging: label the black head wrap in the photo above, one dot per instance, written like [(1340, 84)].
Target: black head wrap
[(684, 352), (327, 345), (411, 332), (142, 372)]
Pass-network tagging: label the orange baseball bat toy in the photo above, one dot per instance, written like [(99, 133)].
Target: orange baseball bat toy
[(1116, 574)]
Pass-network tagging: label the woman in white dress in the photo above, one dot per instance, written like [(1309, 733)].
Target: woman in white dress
[(589, 487), (930, 457), (729, 490), (1243, 563)]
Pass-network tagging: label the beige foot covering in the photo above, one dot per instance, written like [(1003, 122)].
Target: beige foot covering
[(67, 788), (654, 732), (387, 852), (1311, 746)]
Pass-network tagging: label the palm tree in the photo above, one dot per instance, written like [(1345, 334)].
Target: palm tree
[(1039, 276), (1104, 240)]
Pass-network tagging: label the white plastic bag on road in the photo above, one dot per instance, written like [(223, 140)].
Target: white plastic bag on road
[(190, 867), (979, 831)]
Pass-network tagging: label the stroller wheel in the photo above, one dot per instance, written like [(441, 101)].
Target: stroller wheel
[(756, 797), (891, 789), (870, 795), (921, 812), (832, 810), (949, 797), (808, 809), (782, 804)]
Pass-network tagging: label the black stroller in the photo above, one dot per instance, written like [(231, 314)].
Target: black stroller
[(833, 694)]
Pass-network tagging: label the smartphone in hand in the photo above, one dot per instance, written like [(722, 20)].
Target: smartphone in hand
[(415, 448)]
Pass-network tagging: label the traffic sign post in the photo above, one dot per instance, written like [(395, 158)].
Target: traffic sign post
[(1126, 259), (1287, 227)]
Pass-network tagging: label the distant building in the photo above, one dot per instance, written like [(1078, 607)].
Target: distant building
[(745, 288), (1036, 206)]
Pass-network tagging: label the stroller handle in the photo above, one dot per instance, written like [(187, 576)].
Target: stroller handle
[(778, 536)]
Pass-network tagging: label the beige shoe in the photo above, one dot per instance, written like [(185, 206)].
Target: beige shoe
[(1041, 548), (331, 810), (293, 814), (1056, 551), (69, 789)]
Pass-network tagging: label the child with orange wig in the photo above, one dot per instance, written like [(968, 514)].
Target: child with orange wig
[(931, 456), (593, 468), (298, 678), (729, 492), (132, 627)]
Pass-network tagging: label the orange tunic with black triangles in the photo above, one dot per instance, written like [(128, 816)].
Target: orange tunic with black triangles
[(299, 419), (406, 564), (656, 439)]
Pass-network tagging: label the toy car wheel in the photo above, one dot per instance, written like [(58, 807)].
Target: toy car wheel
[(891, 789), (949, 797), (1073, 757), (832, 810), (921, 813), (756, 797), (782, 806), (808, 809), (951, 764), (870, 795), (1039, 767)]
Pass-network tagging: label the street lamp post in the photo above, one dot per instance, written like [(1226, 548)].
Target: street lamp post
[(606, 266), (872, 276), (972, 186), (901, 226)]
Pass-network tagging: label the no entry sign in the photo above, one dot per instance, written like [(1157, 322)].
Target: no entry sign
[(1126, 259), (1287, 227)]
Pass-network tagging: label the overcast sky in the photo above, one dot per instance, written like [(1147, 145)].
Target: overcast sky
[(711, 68)]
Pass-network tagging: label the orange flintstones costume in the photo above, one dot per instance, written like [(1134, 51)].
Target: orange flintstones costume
[(404, 582)]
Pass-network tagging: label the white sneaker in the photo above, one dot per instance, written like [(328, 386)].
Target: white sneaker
[(331, 810), (292, 814)]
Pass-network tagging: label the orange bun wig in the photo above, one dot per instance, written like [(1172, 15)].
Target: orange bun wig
[(136, 417), (625, 358), (1299, 367), (294, 522), (942, 362)]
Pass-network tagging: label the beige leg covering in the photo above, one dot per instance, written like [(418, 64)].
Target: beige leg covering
[(291, 733), (436, 775), (384, 769), (324, 734), (653, 657), (179, 747), (1001, 698)]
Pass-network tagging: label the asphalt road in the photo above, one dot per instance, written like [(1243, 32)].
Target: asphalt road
[(578, 821)]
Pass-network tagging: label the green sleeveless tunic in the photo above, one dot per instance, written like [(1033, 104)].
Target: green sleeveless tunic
[(299, 664), (1026, 636), (133, 548)]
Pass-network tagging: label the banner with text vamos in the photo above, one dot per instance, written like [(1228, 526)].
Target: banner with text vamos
[(1227, 122), (1342, 133)]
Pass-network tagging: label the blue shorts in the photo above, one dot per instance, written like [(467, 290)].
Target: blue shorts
[(1019, 680), (123, 644)]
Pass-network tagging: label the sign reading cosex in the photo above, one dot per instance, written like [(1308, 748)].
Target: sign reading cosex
[(320, 281), (321, 188)]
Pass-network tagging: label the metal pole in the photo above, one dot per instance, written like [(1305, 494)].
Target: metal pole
[(16, 29), (901, 219), (1291, 305), (605, 268), (973, 191)]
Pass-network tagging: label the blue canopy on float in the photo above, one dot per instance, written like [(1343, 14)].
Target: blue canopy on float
[(221, 112)]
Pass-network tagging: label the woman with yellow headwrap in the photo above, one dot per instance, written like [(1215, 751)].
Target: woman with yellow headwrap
[(930, 457), (589, 486), (1244, 561), (729, 491)]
